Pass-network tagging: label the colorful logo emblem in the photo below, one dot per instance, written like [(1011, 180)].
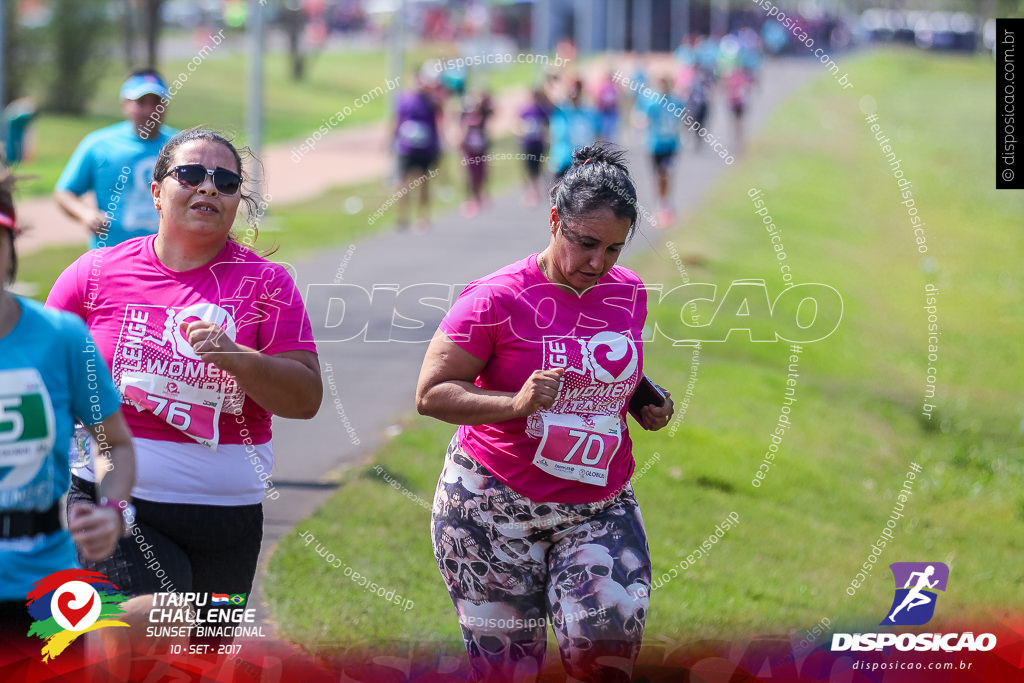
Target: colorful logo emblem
[(916, 586), (71, 602)]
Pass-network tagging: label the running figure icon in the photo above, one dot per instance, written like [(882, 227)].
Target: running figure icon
[(916, 597)]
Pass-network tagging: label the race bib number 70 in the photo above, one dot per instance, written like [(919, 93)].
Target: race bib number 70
[(578, 447)]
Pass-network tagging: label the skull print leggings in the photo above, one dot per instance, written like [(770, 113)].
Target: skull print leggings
[(512, 564)]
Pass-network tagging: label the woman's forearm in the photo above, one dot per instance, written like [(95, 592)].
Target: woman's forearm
[(116, 481), (281, 383), (115, 465), (464, 403)]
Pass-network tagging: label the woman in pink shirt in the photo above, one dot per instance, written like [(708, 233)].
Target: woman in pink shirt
[(205, 341), (534, 517)]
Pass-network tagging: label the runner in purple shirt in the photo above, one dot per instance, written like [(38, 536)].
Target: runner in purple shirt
[(534, 120), (418, 145)]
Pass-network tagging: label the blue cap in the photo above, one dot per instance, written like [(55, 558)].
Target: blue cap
[(143, 84)]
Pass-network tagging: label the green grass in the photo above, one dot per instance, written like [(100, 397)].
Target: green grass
[(215, 95), (857, 423)]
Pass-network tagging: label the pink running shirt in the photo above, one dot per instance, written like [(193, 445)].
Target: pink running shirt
[(578, 451), (133, 305)]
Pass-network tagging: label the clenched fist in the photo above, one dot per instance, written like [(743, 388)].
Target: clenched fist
[(209, 341), (539, 391)]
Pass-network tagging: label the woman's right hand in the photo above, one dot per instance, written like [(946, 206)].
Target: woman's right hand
[(539, 391), (97, 222)]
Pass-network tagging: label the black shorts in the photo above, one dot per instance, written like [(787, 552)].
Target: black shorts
[(416, 162), (663, 160), (533, 154), (699, 112), (181, 547)]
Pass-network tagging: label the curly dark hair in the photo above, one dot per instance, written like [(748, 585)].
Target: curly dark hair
[(598, 178)]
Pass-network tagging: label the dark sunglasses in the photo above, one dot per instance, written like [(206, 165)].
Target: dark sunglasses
[(227, 182)]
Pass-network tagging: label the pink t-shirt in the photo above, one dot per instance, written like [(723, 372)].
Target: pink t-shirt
[(579, 450), (133, 305)]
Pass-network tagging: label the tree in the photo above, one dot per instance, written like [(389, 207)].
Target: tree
[(78, 40), (129, 27), (151, 25), (294, 19)]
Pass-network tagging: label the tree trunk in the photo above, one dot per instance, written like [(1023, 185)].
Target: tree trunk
[(128, 24), (151, 21), (294, 21)]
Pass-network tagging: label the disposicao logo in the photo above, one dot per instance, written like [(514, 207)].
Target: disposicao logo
[(71, 602), (913, 605)]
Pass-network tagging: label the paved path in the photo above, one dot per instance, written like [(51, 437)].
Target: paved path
[(375, 381)]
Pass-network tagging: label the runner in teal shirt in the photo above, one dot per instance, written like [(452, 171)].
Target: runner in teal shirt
[(50, 375), (663, 112), (116, 164)]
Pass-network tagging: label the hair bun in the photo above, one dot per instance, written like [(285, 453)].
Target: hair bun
[(599, 152)]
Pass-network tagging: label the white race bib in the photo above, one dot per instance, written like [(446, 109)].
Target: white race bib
[(416, 134), (578, 447), (194, 411), (27, 425)]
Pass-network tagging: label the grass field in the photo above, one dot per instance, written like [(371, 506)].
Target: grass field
[(214, 94), (857, 423)]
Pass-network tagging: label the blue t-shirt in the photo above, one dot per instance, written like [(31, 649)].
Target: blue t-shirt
[(663, 120), (50, 374), (117, 165), (571, 128)]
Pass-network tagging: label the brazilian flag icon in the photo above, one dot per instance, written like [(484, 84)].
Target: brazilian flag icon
[(237, 599)]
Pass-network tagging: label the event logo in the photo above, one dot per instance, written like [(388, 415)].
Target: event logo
[(68, 603), (204, 311), (914, 603), (611, 356)]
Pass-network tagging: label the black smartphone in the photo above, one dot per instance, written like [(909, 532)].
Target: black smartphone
[(646, 394)]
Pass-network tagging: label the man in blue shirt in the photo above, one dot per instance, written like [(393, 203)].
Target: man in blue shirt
[(116, 164)]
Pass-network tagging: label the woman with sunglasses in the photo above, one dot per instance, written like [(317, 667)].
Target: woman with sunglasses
[(534, 517), (205, 340)]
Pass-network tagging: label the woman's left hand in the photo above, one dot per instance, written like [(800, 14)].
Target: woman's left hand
[(657, 417), (209, 341)]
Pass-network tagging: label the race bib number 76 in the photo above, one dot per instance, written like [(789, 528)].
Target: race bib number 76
[(193, 410)]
